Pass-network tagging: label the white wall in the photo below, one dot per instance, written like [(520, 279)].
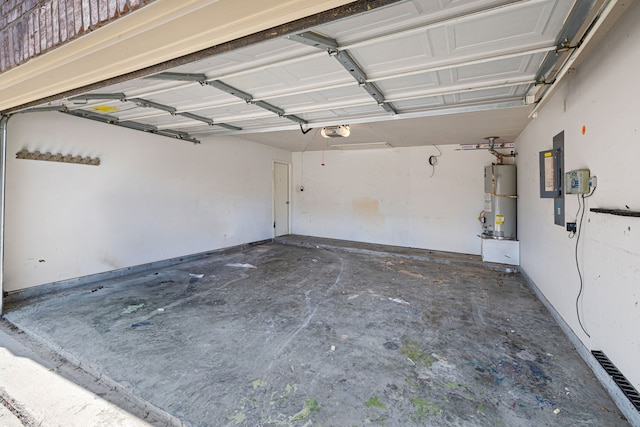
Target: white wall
[(388, 196), (152, 198), (601, 95)]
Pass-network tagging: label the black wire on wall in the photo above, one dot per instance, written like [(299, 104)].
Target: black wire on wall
[(581, 210), (433, 160)]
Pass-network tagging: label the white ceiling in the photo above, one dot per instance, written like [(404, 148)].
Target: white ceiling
[(443, 72)]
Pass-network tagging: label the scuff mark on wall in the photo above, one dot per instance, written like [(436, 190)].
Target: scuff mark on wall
[(368, 210)]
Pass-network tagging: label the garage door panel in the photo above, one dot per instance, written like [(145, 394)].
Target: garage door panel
[(407, 14), (422, 103), (249, 57), (490, 94), (524, 24), (412, 57), (313, 73), (509, 67), (342, 95), (397, 55)]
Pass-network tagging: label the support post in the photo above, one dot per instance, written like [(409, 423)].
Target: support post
[(4, 120)]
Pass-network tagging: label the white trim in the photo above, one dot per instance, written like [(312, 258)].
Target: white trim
[(618, 397)]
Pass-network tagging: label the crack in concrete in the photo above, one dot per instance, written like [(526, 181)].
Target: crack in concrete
[(307, 320)]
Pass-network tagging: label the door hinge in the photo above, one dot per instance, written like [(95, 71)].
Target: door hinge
[(274, 224)]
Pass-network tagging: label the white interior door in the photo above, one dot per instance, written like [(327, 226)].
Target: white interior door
[(280, 198)]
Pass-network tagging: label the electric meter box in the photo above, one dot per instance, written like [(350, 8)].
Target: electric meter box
[(577, 181)]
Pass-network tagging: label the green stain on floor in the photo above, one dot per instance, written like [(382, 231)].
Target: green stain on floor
[(281, 398), (310, 405), (425, 407), (411, 349), (374, 402), (258, 383), (132, 308), (237, 419), (411, 383)]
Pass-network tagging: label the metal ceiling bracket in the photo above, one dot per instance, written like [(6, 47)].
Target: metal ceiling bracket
[(196, 117), (227, 126), (104, 118), (550, 68), (58, 108), (150, 104), (314, 39), (220, 85), (202, 79), (344, 58), (177, 134), (207, 120), (112, 120), (249, 100), (295, 118), (388, 107), (269, 107), (576, 18), (279, 111), (137, 126), (230, 90), (350, 65), (183, 77), (564, 46), (98, 96), (374, 91)]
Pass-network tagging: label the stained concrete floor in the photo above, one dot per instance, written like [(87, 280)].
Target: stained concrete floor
[(302, 335)]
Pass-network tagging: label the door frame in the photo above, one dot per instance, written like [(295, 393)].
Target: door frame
[(273, 195)]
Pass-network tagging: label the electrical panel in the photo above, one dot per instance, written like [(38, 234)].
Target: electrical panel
[(551, 173), (577, 181)]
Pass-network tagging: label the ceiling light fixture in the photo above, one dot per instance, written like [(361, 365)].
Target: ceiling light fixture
[(361, 146), (341, 131)]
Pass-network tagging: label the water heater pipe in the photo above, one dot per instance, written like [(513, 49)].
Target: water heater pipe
[(499, 156), (493, 185)]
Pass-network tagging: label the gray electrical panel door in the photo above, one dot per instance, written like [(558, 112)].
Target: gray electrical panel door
[(558, 201)]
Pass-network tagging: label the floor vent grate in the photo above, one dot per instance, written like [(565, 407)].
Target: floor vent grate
[(626, 387)]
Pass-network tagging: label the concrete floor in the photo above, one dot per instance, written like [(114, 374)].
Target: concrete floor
[(40, 389), (324, 334)]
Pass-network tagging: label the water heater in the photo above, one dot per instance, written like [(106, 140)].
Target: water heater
[(499, 214)]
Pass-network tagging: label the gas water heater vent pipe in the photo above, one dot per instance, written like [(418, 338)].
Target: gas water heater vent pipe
[(499, 156), (492, 142)]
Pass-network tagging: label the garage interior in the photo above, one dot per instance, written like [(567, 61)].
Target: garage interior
[(282, 228)]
